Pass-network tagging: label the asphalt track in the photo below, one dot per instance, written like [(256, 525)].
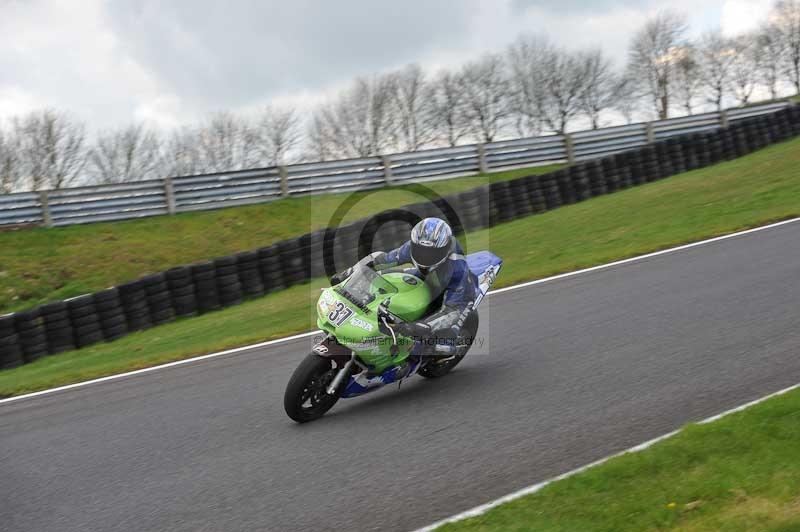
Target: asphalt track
[(571, 371)]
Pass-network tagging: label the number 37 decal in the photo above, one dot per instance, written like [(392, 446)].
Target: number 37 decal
[(339, 314)]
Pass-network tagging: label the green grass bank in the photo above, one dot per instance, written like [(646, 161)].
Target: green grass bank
[(40, 265), (751, 191)]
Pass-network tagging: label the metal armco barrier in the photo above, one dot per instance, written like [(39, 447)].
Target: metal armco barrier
[(225, 281), (172, 195)]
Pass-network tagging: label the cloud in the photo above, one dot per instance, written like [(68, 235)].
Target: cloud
[(741, 16), (77, 65), (169, 63), (577, 7), (216, 55)]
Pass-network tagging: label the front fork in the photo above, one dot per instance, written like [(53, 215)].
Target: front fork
[(341, 375)]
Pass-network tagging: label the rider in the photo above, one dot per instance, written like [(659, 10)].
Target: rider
[(440, 261)]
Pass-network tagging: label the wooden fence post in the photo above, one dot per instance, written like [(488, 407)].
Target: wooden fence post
[(169, 194), (44, 202), (483, 165), (284, 181), (387, 169), (569, 147), (724, 121), (650, 132)]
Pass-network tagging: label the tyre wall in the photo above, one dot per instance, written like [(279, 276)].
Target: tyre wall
[(225, 281)]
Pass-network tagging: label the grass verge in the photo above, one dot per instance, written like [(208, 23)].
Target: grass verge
[(40, 265), (754, 190), (737, 474)]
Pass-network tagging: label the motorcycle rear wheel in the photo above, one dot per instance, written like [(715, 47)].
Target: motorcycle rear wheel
[(306, 397)]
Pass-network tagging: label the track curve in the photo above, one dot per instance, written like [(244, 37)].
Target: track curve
[(573, 370)]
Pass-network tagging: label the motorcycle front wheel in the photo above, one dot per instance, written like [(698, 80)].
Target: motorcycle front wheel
[(306, 397)]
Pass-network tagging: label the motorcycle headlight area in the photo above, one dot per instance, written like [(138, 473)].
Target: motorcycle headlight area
[(326, 303)]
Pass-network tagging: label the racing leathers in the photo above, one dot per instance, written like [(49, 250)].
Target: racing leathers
[(453, 289)]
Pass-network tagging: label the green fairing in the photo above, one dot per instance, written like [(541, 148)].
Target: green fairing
[(360, 331)]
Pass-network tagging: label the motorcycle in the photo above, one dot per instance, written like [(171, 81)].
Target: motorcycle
[(361, 351)]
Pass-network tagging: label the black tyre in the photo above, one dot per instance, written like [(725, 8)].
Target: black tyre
[(11, 357), (205, 275), (204, 287), (110, 294), (61, 336), (31, 352), (139, 324), (141, 309), (133, 301), (113, 321), (306, 397), (230, 301), (80, 306), (7, 325), (223, 271), (182, 291), (162, 316), (32, 339), (435, 369), (228, 280), (159, 302), (29, 320), (85, 320), (89, 339), (178, 274), (104, 307), (117, 331), (154, 284), (185, 306), (88, 329)]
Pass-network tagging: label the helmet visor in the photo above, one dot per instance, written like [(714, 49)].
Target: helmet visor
[(428, 256)]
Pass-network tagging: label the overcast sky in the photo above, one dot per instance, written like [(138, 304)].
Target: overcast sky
[(166, 63)]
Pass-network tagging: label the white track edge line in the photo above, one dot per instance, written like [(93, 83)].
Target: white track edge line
[(482, 509), (156, 368), (311, 333), (643, 257)]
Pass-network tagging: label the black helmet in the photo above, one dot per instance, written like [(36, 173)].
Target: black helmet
[(431, 243)]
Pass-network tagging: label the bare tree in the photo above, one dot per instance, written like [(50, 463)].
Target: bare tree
[(600, 86), (769, 46), (180, 153), (525, 64), (687, 76), (52, 148), (227, 142), (628, 98), (318, 147), (358, 123), (786, 19), (717, 55), (447, 99), (10, 162), (652, 57), (485, 96), (278, 133), (746, 67), (414, 127), (129, 154), (562, 83)]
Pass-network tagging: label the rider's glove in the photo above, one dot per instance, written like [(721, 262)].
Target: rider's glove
[(414, 329), (368, 261), (337, 278), (376, 258)]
